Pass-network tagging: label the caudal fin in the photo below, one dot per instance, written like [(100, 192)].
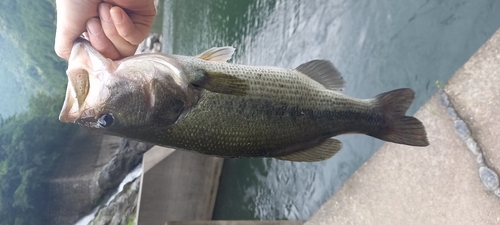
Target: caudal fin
[(399, 128)]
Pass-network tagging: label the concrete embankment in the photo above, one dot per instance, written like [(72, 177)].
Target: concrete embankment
[(439, 184), (177, 186)]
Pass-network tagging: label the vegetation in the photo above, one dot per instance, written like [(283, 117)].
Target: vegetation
[(29, 141), (28, 62), (131, 219), (29, 146), (30, 28)]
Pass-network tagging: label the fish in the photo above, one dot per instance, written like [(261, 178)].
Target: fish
[(205, 104)]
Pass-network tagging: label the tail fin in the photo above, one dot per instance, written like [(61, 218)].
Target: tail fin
[(400, 129)]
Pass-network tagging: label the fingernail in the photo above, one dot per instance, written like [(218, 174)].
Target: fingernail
[(104, 12), (116, 15), (94, 27)]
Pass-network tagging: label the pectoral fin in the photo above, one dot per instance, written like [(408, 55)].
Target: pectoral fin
[(323, 151), (220, 83)]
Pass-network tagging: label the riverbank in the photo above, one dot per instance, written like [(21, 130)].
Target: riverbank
[(439, 184)]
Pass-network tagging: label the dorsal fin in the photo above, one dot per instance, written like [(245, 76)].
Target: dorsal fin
[(323, 72), (323, 151), (217, 54)]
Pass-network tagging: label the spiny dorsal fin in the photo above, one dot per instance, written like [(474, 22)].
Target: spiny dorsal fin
[(323, 72), (219, 82), (217, 54), (323, 151)]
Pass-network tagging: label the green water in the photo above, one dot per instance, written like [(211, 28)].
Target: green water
[(377, 45)]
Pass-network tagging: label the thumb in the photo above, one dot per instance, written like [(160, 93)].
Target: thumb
[(64, 41), (71, 19)]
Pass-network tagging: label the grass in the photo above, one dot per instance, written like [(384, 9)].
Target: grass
[(131, 220)]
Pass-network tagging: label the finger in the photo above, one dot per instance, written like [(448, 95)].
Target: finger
[(99, 40), (143, 7), (132, 31), (122, 45), (71, 19), (66, 34), (64, 42)]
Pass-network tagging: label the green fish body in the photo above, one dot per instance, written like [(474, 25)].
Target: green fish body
[(229, 110)]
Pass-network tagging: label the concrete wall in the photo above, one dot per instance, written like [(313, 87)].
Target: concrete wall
[(182, 186)]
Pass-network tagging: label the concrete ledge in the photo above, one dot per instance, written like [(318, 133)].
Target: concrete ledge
[(438, 184), (153, 156)]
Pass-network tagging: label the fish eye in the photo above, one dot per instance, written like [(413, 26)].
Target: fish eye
[(106, 120)]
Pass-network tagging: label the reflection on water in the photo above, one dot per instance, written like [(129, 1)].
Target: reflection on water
[(377, 45)]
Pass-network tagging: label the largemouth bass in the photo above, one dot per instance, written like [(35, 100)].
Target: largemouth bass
[(207, 105)]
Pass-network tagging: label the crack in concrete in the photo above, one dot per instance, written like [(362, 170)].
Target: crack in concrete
[(488, 177)]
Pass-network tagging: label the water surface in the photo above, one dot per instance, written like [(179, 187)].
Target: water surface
[(377, 45)]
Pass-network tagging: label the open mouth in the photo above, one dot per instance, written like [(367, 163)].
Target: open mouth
[(79, 100), (76, 93)]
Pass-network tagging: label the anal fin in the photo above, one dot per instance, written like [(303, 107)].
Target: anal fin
[(324, 150)]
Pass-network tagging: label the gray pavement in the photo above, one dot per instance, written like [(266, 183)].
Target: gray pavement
[(438, 184)]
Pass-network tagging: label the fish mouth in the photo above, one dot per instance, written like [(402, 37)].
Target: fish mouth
[(85, 91)]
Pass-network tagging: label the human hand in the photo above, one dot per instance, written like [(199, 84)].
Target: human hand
[(122, 25)]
